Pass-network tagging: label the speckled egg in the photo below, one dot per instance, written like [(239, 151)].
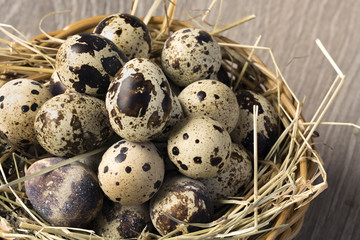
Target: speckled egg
[(87, 62), (175, 116), (131, 173), (190, 54), (233, 178), (67, 196), (116, 221), (55, 85), (129, 33), (72, 123), (183, 198), (268, 128), (211, 98), (139, 101), (199, 147), (20, 100)]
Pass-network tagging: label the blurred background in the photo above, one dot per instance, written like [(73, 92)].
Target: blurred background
[(289, 28)]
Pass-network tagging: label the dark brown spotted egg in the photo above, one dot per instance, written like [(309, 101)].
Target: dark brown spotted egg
[(189, 55), (213, 99), (183, 198), (129, 33), (67, 196), (268, 128), (139, 101), (72, 123), (199, 147), (131, 173), (116, 221), (233, 178), (87, 62), (20, 100)]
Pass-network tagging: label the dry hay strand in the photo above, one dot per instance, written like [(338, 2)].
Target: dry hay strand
[(285, 182)]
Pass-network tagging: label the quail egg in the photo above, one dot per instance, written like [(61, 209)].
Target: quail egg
[(199, 147), (139, 101), (268, 128), (183, 198), (131, 173), (20, 100), (88, 62), (129, 33), (72, 123), (67, 196), (233, 178), (117, 221), (189, 55), (211, 98)]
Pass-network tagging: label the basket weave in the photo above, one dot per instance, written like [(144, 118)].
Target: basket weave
[(257, 77)]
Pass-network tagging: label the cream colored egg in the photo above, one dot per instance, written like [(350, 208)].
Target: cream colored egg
[(72, 123), (213, 99), (139, 101), (184, 199), (67, 196), (267, 125), (131, 173), (129, 33), (189, 55), (233, 178), (20, 100), (199, 147)]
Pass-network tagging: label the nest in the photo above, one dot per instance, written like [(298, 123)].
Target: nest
[(285, 182)]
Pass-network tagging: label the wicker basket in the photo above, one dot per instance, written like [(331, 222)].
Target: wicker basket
[(287, 220)]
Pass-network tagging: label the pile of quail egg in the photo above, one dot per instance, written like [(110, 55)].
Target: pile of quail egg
[(180, 138)]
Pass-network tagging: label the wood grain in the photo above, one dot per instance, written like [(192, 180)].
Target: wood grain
[(290, 29)]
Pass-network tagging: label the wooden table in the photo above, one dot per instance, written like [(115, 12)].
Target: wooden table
[(290, 29)]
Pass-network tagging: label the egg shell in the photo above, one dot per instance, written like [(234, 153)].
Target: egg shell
[(189, 55), (213, 99), (72, 123), (139, 101), (233, 178), (117, 221), (267, 123), (184, 199), (176, 116), (129, 33), (67, 196), (87, 62), (199, 147), (131, 173), (20, 100), (55, 85)]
